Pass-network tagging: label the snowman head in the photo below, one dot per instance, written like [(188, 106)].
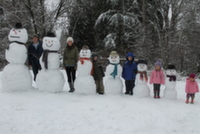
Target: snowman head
[(142, 65), (114, 57), (170, 70), (18, 34), (50, 42), (85, 52)]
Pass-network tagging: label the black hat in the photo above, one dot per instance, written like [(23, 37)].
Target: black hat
[(142, 62), (18, 25), (171, 66), (50, 34)]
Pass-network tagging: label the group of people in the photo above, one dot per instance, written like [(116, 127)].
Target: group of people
[(70, 59)]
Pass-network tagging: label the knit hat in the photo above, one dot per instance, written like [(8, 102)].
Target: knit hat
[(170, 66), (113, 53), (70, 39), (142, 62), (192, 75), (50, 34), (158, 63), (18, 25)]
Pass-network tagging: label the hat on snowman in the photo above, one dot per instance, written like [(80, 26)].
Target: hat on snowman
[(142, 62), (170, 66), (18, 25), (50, 34), (113, 53), (85, 47)]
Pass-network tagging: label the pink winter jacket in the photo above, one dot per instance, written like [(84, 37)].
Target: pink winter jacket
[(157, 77), (191, 87)]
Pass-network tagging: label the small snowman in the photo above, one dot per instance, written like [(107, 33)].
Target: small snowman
[(50, 79), (141, 89), (84, 82), (16, 76), (170, 83), (113, 83)]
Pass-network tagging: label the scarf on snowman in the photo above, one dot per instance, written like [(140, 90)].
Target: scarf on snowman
[(114, 73), (82, 60), (45, 57), (143, 75), (172, 77)]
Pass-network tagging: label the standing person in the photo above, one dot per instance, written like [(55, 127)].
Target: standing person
[(70, 59), (35, 51), (129, 73), (157, 78), (191, 88), (98, 74)]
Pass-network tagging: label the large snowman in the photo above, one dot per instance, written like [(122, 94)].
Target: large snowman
[(113, 83), (16, 76), (84, 82), (141, 88), (170, 83), (50, 79)]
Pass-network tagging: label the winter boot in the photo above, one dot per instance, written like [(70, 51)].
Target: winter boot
[(131, 93), (187, 100), (127, 92), (71, 85), (192, 101)]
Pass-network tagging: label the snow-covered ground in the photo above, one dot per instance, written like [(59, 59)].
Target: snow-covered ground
[(36, 112)]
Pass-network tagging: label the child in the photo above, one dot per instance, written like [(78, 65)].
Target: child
[(191, 88), (157, 78), (98, 74), (129, 72)]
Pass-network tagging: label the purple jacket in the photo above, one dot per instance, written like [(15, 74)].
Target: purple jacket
[(157, 77), (191, 87)]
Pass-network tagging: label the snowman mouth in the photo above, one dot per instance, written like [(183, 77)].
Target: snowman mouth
[(49, 45), (15, 36)]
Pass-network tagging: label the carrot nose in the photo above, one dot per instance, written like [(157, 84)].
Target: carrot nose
[(15, 31), (48, 41)]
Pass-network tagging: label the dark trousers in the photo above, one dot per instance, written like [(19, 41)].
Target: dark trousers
[(192, 95), (130, 84), (71, 74), (36, 67), (156, 89)]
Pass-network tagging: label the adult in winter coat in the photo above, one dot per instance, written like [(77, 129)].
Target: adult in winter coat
[(70, 59), (98, 74), (35, 51), (129, 73)]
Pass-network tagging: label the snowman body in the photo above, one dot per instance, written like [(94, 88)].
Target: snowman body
[(50, 79), (170, 84), (16, 76), (141, 88), (84, 82), (113, 84)]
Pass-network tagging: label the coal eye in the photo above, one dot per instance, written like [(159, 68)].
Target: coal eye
[(52, 41), (19, 31)]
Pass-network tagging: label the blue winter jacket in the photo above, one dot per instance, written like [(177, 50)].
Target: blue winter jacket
[(129, 68)]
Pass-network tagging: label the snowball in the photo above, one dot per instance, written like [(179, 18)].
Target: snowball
[(16, 53), (16, 77), (50, 80)]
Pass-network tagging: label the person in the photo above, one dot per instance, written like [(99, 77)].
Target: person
[(35, 51), (191, 88), (129, 73), (157, 78), (70, 59), (98, 74)]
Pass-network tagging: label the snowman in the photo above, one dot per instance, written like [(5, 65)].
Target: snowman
[(141, 89), (16, 76), (84, 82), (50, 79), (170, 83), (113, 83)]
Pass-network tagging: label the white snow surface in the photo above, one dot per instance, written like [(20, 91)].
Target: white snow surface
[(35, 112)]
